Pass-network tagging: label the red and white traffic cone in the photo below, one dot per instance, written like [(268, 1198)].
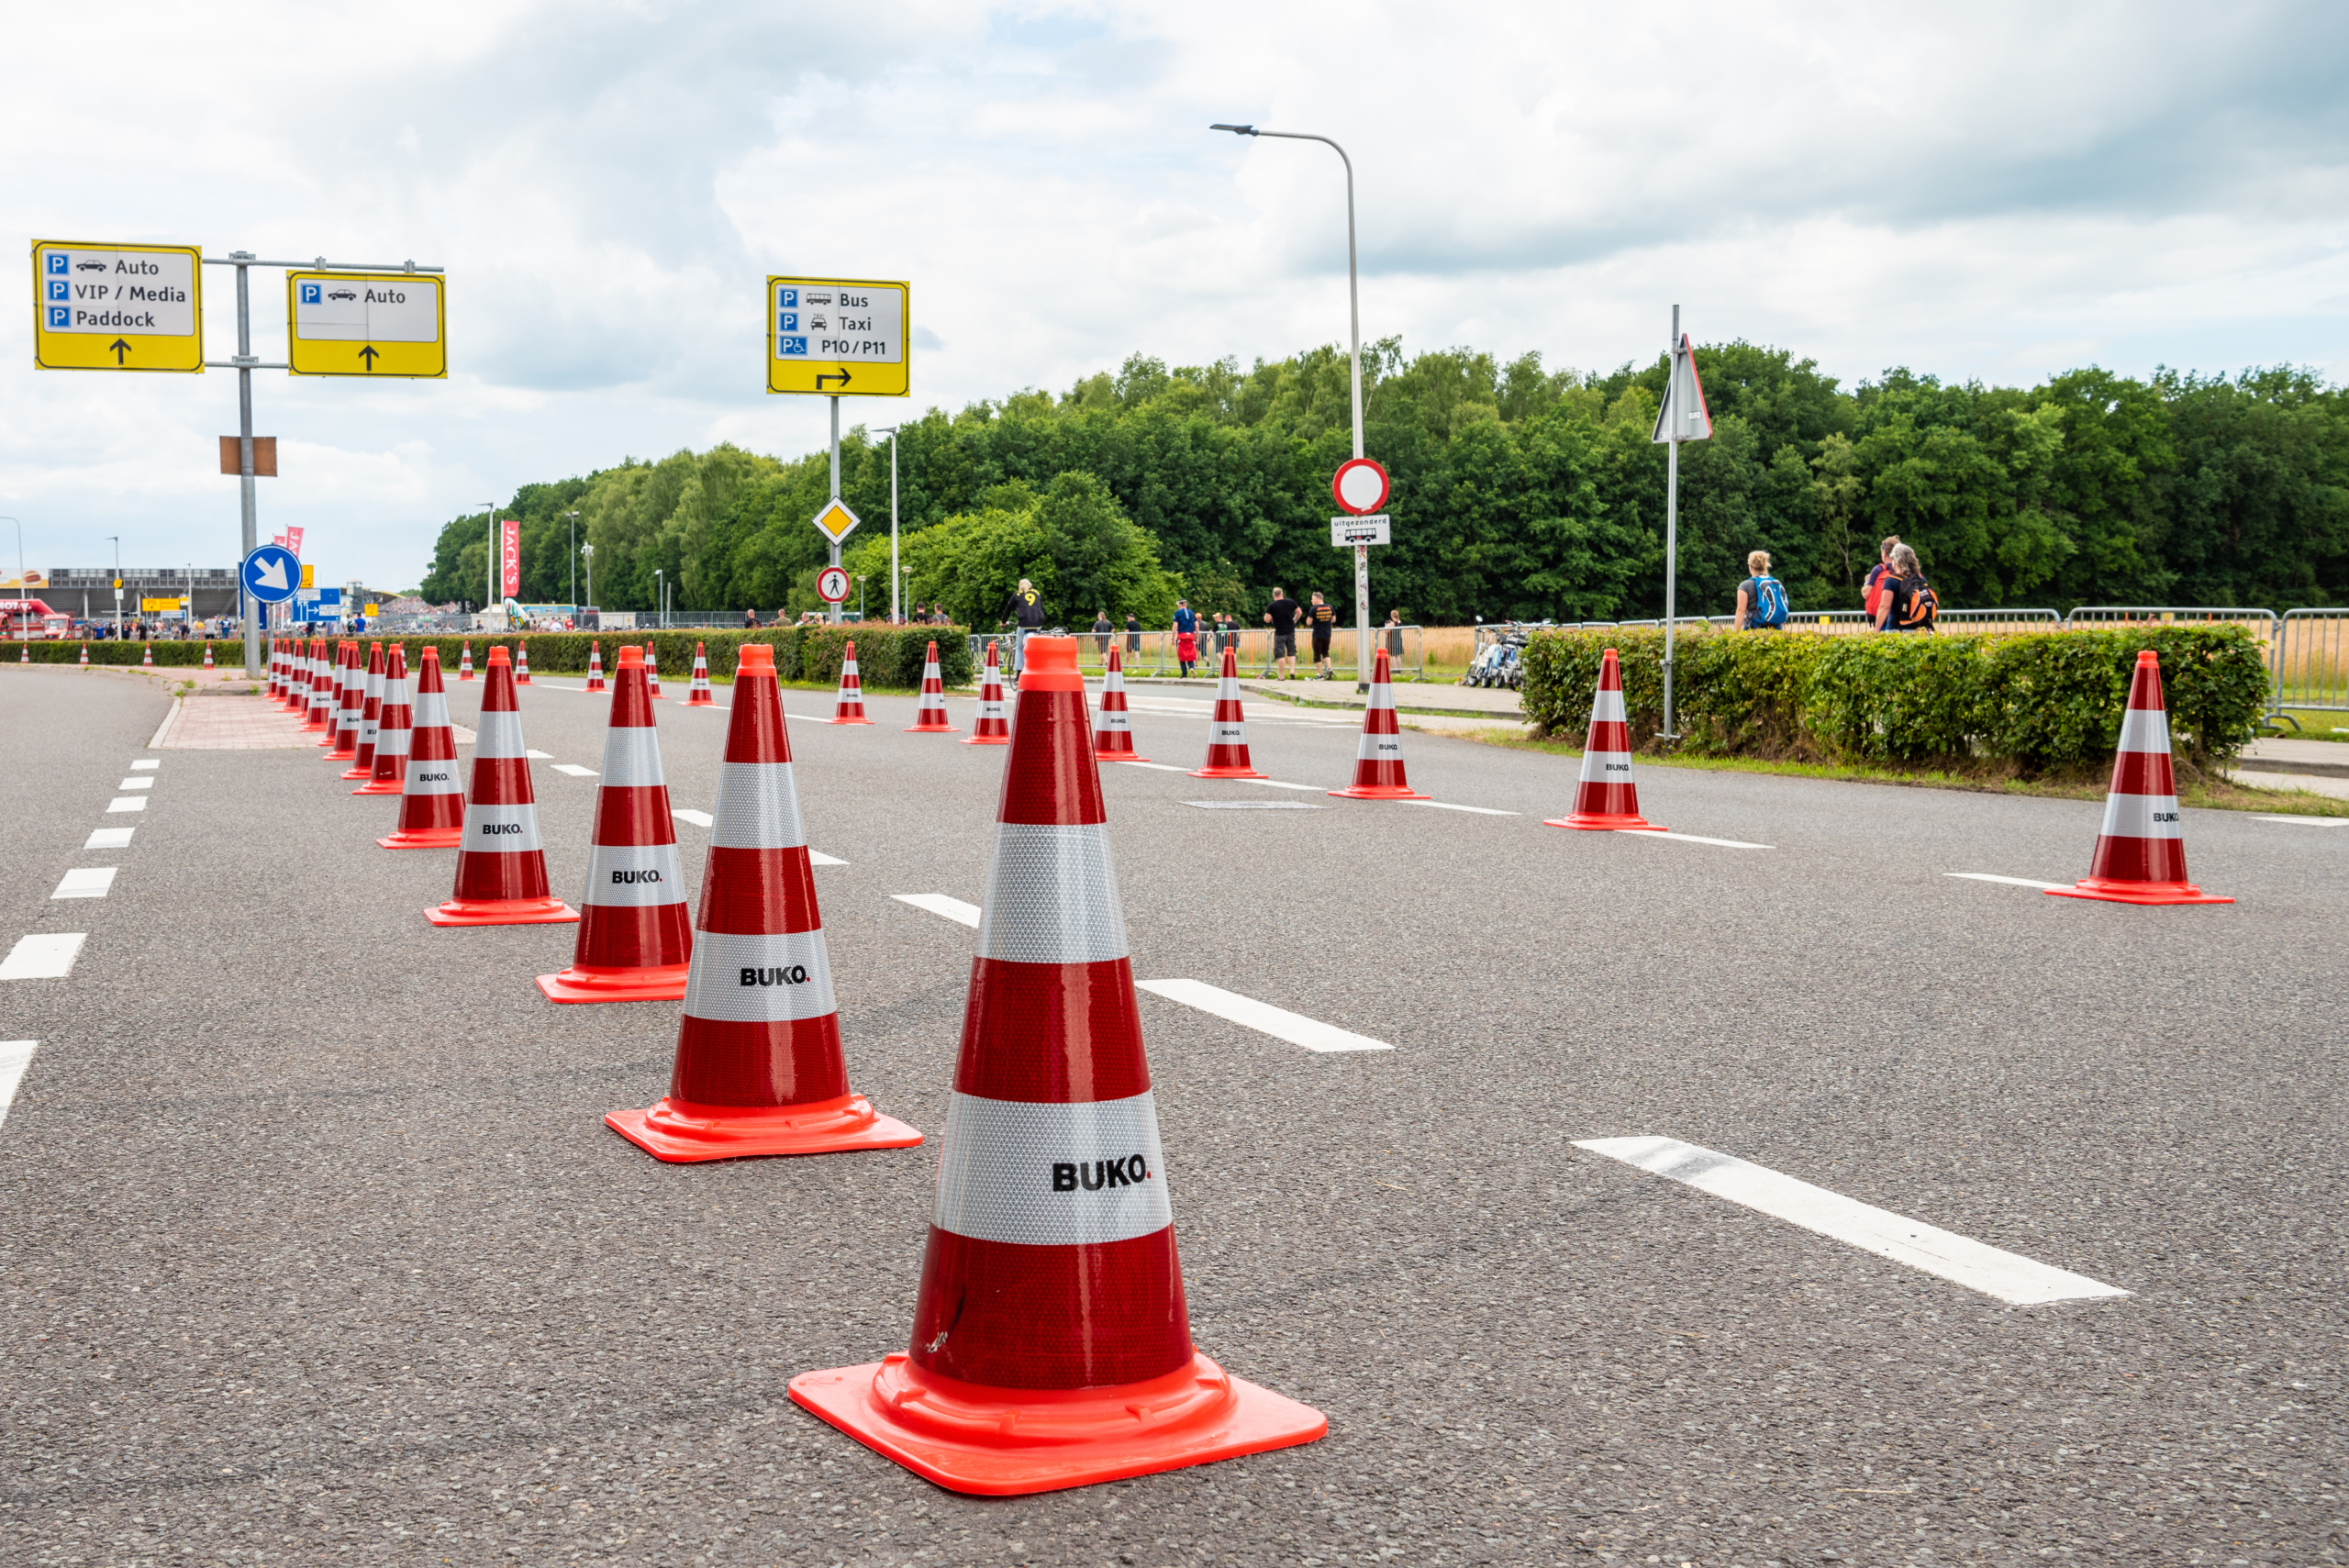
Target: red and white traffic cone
[(521, 663), (1228, 730), (651, 672), (394, 728), (371, 714), (1605, 798), (594, 667), (282, 688), (849, 706), (24, 653), (930, 714), (465, 662), (636, 935), (759, 1067), (325, 681), (350, 700), (994, 724), (2140, 851), (207, 655), (1051, 1347), (1379, 758), (432, 802), (697, 690), (146, 655), (86, 655), (1113, 734), (501, 865)]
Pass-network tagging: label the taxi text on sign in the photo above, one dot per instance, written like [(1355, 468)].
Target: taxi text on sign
[(384, 324), (838, 337), (117, 308)]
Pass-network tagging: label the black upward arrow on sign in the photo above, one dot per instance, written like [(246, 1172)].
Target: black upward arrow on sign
[(821, 379), (369, 354), (118, 349)]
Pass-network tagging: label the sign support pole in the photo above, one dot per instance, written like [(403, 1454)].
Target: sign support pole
[(1670, 516), (836, 484), (246, 499)]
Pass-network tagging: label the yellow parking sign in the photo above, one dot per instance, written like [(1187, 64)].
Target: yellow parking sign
[(117, 308), (384, 324)]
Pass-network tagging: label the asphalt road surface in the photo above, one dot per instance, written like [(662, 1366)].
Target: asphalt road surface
[(314, 1248)]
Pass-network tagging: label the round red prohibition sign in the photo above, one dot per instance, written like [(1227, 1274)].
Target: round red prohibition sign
[(831, 584), (1360, 485)]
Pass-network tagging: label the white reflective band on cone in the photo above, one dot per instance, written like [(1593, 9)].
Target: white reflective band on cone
[(1051, 896), (2140, 816), (790, 977), (2144, 730), (632, 757), (394, 742), (633, 874), (498, 735), (1379, 749), (432, 710), (1227, 734), (437, 777), (1052, 1175), (991, 707), (1606, 767), (1608, 709), (758, 808), (396, 694), (500, 829), (1112, 719)]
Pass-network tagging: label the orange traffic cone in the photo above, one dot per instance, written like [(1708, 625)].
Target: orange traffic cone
[(350, 701), (1228, 730), (994, 726), (1051, 1344), (501, 865), (465, 662), (433, 803), (2141, 852), (697, 689), (1113, 735), (759, 1067), (23, 653), (594, 667), (1605, 798), (635, 934), (652, 672), (849, 706), (85, 654), (329, 687), (521, 663), (319, 713), (930, 714), (393, 730), (1379, 758), (146, 655), (207, 656), (371, 714)]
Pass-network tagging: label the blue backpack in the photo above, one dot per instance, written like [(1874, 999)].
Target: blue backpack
[(1769, 603)]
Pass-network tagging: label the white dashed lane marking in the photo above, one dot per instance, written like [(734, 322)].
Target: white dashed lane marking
[(43, 956), (538, 756), (1262, 1017), (2010, 881), (2308, 822), (136, 784), (574, 770), (127, 802), (86, 881), (109, 839), (939, 904), (1688, 837), (1447, 805), (16, 1055), (2009, 1276), (818, 857), (698, 819), (147, 763)]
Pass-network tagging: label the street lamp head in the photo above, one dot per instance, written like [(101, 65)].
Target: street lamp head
[(1235, 129)]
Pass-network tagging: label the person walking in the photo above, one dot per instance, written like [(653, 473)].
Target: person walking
[(1281, 616), (1186, 620), (1101, 632), (1025, 610), (1872, 592), (1133, 636), (1323, 619), (1395, 638), (1908, 604), (1761, 598)]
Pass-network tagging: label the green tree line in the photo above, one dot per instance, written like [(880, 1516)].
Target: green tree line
[(1518, 492)]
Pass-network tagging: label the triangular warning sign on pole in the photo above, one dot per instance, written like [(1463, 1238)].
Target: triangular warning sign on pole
[(1684, 400)]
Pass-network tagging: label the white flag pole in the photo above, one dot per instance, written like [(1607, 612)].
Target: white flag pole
[(1671, 513)]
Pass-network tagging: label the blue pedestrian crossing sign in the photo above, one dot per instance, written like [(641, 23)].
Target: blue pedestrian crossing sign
[(272, 572)]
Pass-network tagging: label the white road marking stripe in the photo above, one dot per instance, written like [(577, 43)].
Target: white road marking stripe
[(538, 756), (16, 1055), (1990, 1269), (1688, 838), (136, 784), (109, 839), (2011, 880), (165, 727), (148, 763), (939, 904), (818, 857), (574, 770), (698, 819), (85, 882), (1262, 1017), (1277, 784), (1257, 804), (127, 802), (2308, 822), (1447, 805), (43, 956), (1157, 767)]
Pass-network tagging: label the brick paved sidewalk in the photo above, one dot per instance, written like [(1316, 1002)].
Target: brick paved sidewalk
[(233, 724)]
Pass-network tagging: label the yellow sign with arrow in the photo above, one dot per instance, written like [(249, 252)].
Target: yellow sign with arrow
[(381, 324), (838, 337), (117, 308)]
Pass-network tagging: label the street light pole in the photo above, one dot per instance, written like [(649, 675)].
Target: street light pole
[(587, 553), (489, 586), (118, 585), (21, 590), (661, 597), (1353, 308), (895, 618), (573, 518)]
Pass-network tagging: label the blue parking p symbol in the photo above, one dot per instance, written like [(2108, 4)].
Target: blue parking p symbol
[(60, 263), (310, 295), (61, 317)]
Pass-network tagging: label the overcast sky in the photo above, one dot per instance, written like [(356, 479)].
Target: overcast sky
[(1992, 191)]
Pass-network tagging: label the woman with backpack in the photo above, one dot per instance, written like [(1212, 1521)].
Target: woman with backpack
[(1761, 598), (1909, 603)]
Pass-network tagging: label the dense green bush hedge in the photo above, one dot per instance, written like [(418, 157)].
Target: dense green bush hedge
[(173, 654), (2033, 701)]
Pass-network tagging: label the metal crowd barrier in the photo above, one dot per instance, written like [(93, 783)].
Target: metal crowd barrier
[(2311, 660), (1153, 652)]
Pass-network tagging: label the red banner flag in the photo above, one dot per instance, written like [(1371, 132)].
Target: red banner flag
[(512, 558)]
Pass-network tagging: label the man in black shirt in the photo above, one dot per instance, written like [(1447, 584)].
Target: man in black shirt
[(1281, 616), (1324, 620), (1025, 610)]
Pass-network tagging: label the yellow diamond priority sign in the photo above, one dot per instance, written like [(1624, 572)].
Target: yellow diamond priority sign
[(836, 521)]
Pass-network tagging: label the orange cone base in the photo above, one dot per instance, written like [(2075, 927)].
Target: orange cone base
[(1003, 1442), (681, 1131), (988, 741), (1380, 792), (653, 983), (1605, 821), (502, 912), (356, 774), (848, 721), (344, 754), (424, 838), (700, 699), (389, 786), (1225, 773), (2137, 891), (932, 729), (1117, 757)]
